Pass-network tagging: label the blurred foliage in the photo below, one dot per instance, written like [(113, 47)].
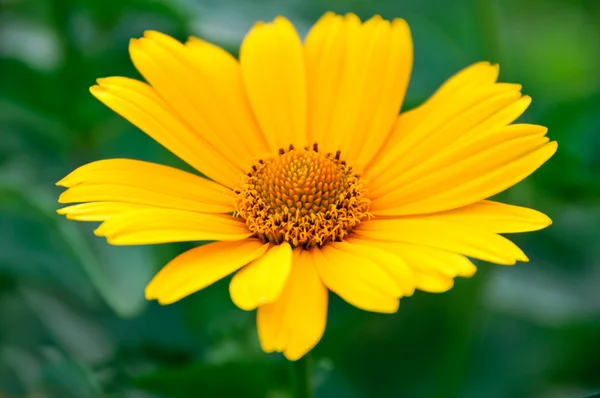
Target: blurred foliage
[(73, 319)]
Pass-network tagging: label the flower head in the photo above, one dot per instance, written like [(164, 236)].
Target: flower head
[(314, 180)]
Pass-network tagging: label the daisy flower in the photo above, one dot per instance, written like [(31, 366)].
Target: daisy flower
[(311, 178)]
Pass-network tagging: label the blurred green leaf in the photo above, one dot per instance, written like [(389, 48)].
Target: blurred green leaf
[(119, 276), (67, 379), (78, 334), (255, 379)]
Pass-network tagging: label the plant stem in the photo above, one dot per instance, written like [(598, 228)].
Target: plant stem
[(301, 377)]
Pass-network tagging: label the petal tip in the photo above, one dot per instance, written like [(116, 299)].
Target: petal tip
[(328, 15), (521, 257), (63, 197), (95, 89), (134, 45), (152, 33), (294, 355), (400, 23), (282, 19), (149, 293), (100, 231)]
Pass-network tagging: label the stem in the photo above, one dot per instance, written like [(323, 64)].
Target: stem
[(301, 377)]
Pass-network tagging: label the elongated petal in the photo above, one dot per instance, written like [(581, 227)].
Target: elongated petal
[(495, 217), (98, 211), (228, 99), (143, 107), (274, 75), (142, 183), (449, 236), (357, 279), (262, 281), (200, 267), (295, 322), (471, 122), (458, 151), (461, 92), (434, 270), (150, 226), (457, 148), (392, 264), (204, 85), (475, 178), (357, 78), (165, 64)]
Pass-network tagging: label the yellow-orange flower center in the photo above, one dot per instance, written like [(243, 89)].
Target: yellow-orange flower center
[(303, 197)]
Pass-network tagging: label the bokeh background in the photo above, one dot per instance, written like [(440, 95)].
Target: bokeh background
[(73, 320)]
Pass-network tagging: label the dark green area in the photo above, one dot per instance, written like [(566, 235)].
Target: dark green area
[(73, 320)]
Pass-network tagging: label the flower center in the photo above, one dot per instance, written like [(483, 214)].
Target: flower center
[(303, 197)]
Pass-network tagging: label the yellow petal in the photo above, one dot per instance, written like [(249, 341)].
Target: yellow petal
[(357, 279), (439, 131), (495, 217), (433, 282), (274, 75), (449, 236), (475, 75), (357, 78), (474, 178), (295, 322), (434, 269), (262, 281), (392, 264), (144, 183), (204, 84), (140, 104), (200, 267), (151, 226), (98, 211), (461, 104), (456, 152), (463, 90), (164, 63)]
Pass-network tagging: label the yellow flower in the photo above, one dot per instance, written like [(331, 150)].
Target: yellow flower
[(315, 182)]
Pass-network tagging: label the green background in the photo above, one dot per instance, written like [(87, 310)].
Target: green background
[(73, 320)]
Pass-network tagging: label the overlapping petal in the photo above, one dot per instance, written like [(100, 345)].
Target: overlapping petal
[(457, 148), (392, 264), (262, 281), (434, 270), (202, 266), (495, 217), (476, 176), (150, 226), (139, 103), (120, 185), (357, 78), (203, 86), (446, 235), (274, 74), (357, 279), (295, 322), (98, 211)]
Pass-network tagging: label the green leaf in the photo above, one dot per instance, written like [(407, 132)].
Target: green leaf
[(78, 334), (246, 379), (118, 274)]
